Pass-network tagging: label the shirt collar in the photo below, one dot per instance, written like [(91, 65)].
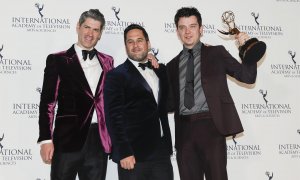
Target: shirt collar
[(135, 63), (196, 48)]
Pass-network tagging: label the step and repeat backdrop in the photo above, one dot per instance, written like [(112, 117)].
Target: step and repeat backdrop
[(269, 149)]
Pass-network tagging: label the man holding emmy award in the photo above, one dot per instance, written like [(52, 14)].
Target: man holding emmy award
[(204, 109)]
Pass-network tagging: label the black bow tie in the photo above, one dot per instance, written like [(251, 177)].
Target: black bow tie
[(144, 65), (91, 54)]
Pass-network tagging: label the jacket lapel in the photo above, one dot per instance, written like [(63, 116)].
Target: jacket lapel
[(204, 64), (137, 76), (77, 71), (162, 83), (105, 69), (176, 78)]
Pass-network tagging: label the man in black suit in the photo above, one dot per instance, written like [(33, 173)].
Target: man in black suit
[(135, 108), (204, 109)]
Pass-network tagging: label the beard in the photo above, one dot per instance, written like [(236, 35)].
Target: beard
[(138, 57)]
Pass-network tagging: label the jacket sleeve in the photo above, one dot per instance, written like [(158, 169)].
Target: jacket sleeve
[(245, 73), (114, 104), (170, 99), (48, 99)]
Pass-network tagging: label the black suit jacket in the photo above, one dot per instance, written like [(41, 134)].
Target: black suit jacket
[(133, 116), (216, 63), (66, 85)]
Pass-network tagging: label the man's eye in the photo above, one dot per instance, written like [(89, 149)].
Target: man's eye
[(181, 28)]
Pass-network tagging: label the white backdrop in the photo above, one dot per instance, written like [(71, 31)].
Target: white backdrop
[(269, 149)]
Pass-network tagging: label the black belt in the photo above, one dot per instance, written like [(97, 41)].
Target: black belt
[(197, 116)]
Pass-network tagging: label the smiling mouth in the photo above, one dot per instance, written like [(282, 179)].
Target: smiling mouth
[(136, 50), (88, 38)]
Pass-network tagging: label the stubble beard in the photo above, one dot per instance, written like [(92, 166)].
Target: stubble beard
[(138, 58)]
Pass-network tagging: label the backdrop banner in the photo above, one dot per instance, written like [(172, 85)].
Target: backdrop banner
[(268, 149)]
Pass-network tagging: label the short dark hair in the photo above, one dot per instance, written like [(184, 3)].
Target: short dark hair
[(94, 14), (135, 26), (187, 12)]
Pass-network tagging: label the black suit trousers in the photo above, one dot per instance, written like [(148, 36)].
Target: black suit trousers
[(158, 166), (89, 164), (202, 151)]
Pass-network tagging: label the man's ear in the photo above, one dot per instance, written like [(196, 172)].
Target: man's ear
[(201, 30), (100, 34), (77, 27), (177, 33), (149, 46)]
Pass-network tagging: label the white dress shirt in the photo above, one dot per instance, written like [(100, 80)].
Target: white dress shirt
[(92, 71)]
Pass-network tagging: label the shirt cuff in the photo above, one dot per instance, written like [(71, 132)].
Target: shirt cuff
[(45, 142)]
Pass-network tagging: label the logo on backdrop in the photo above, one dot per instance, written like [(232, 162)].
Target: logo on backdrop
[(264, 94), (40, 8), (269, 174), (259, 30), (291, 150), (293, 54), (28, 109), (116, 12), (237, 151), (40, 23), (255, 17), (12, 155), (154, 51), (11, 66), (39, 90), (1, 146), (233, 139), (265, 108), (116, 25), (288, 70), (0, 52), (170, 27)]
